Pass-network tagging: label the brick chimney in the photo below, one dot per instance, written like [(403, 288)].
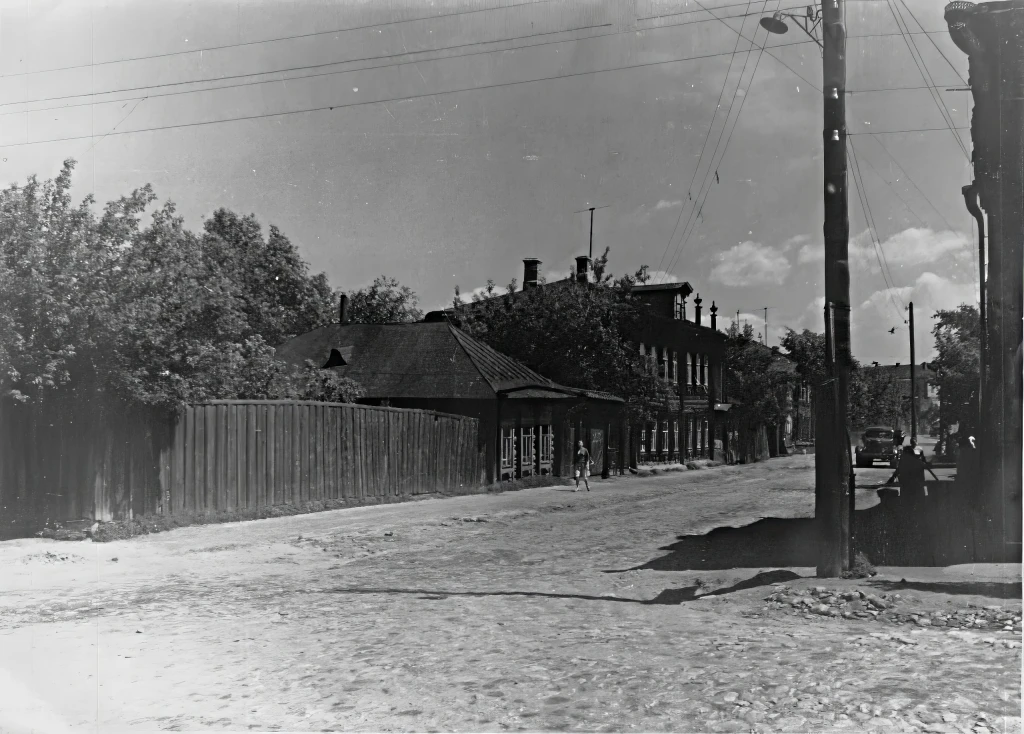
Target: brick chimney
[(696, 309), (530, 267), (583, 269), (714, 316), (343, 309)]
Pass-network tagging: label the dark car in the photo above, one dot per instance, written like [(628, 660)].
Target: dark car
[(877, 444)]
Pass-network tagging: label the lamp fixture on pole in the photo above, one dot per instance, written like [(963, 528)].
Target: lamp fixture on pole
[(809, 23)]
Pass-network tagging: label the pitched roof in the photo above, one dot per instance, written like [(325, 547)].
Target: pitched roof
[(648, 287), (419, 360)]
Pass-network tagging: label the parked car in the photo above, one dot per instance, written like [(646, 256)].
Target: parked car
[(876, 444)]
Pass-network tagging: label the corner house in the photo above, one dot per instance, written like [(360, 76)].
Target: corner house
[(528, 424)]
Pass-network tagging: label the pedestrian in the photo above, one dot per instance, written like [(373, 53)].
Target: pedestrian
[(911, 471), (583, 464), (897, 445)]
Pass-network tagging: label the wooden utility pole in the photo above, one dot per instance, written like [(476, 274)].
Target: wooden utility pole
[(913, 381), (832, 484), (591, 210)]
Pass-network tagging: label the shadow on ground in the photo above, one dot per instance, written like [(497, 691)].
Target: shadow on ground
[(768, 542)]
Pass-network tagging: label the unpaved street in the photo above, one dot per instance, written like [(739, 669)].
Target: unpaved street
[(540, 609)]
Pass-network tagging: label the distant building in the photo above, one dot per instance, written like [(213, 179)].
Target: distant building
[(528, 423)]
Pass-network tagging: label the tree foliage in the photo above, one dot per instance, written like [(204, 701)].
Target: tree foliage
[(386, 301), (957, 335), (146, 311), (577, 334), (875, 396), (757, 379)]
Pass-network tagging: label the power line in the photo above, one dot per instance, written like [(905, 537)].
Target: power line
[(908, 130), (858, 179), (921, 67), (941, 53), (693, 221), (696, 201), (274, 40), (383, 66), (302, 68), (714, 117), (914, 184), (404, 98)]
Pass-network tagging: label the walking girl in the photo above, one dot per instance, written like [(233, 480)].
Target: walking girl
[(583, 464)]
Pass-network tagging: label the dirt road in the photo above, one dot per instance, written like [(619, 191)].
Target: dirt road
[(541, 609)]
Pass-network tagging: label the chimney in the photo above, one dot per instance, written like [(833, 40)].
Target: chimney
[(583, 268), (343, 309), (696, 309), (714, 316), (530, 267)]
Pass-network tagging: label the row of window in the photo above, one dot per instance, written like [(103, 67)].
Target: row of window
[(654, 438), (665, 364), (532, 440)]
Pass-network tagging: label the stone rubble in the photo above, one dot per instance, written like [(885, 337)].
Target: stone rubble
[(855, 604)]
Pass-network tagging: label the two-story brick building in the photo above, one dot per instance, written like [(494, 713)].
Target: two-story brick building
[(682, 350)]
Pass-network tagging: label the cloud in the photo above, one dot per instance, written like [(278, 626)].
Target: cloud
[(661, 276), (665, 204), (751, 263), (911, 247), (792, 242), (878, 313)]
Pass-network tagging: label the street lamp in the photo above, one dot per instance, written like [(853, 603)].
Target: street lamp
[(808, 23)]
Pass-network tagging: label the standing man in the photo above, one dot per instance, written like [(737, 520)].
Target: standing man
[(897, 444), (911, 471), (583, 464)]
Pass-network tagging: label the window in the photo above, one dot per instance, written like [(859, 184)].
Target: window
[(664, 437), (675, 435), (508, 447), (705, 432), (527, 447), (704, 369), (680, 307), (643, 440), (547, 444), (689, 369), (662, 359), (675, 367)]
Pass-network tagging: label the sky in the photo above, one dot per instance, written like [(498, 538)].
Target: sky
[(442, 142)]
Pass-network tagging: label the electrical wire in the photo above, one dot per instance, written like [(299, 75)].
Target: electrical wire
[(926, 77), (698, 204), (404, 98), (302, 68), (714, 117), (307, 67), (694, 220), (275, 40), (883, 265), (941, 53)]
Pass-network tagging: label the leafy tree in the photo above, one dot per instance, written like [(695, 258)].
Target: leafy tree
[(279, 297), (149, 313), (874, 396), (807, 350), (577, 334), (386, 301), (756, 377), (957, 335)]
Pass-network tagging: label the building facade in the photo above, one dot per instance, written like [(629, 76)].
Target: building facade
[(529, 425), (680, 349)]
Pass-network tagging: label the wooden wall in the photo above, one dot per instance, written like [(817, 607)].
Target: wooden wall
[(70, 464)]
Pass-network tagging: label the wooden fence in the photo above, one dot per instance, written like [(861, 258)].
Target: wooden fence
[(71, 463)]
